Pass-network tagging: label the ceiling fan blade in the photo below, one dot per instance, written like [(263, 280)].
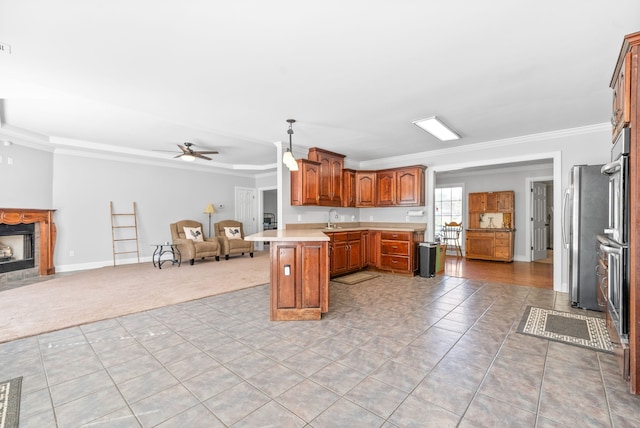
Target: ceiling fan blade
[(185, 150), (207, 152), (199, 155)]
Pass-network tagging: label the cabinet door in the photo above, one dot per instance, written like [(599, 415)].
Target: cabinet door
[(339, 260), (410, 187), (491, 202), (355, 255), (621, 101), (505, 201), (365, 188), (477, 202), (304, 183), (479, 245), (348, 188), (373, 249), (330, 177), (386, 188)]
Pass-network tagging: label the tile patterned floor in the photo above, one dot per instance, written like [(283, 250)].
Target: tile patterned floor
[(392, 352)]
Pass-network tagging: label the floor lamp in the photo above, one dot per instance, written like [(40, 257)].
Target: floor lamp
[(209, 210)]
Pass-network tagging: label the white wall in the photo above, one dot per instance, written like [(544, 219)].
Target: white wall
[(83, 188), (26, 181)]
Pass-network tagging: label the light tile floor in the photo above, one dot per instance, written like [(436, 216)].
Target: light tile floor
[(392, 352)]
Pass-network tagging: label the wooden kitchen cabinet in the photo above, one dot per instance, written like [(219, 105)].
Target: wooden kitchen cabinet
[(621, 96), (345, 252), (398, 252), (489, 244), (330, 176), (371, 248), (365, 189), (348, 188), (299, 280), (400, 186), (477, 202), (304, 183), (482, 202)]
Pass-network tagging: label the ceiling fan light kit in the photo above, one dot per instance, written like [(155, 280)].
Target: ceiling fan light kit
[(287, 157)]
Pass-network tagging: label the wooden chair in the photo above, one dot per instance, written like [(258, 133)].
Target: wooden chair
[(451, 235)]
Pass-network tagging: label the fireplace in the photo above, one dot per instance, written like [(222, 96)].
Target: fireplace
[(30, 235), (16, 247)]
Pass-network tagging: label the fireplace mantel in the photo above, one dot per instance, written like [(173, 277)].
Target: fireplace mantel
[(47, 232)]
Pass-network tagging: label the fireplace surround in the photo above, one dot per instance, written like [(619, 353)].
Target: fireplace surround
[(44, 234)]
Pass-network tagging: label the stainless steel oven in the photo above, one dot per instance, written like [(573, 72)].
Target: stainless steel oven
[(618, 173), (614, 269)]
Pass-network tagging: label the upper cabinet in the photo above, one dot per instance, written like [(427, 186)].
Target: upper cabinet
[(400, 186), (322, 180), (621, 97), (304, 183), (365, 189), (330, 184), (491, 202), (348, 188)]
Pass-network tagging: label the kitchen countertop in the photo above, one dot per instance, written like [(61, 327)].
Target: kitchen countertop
[(288, 235), (355, 227)]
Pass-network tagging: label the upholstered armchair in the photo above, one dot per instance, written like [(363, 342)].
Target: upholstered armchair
[(196, 247), (231, 237)]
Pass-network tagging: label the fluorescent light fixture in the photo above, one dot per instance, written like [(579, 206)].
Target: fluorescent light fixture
[(435, 127)]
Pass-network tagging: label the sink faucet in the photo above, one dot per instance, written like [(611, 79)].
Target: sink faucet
[(333, 212)]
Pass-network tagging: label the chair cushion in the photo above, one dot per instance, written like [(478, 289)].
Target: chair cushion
[(232, 232), (194, 233)]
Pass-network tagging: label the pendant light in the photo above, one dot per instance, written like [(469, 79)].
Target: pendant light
[(287, 157)]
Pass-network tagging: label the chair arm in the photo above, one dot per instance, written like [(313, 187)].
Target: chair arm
[(186, 247), (225, 248)]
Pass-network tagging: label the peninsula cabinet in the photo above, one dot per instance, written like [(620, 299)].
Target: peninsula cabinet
[(348, 188), (365, 189), (330, 177), (304, 183), (400, 186)]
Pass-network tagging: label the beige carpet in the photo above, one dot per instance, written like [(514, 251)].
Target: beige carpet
[(109, 292)]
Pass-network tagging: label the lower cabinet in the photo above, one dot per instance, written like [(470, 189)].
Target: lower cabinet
[(489, 245), (345, 250), (299, 280), (398, 252)]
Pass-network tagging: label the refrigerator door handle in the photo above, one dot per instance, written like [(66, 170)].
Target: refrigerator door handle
[(612, 168), (565, 241)]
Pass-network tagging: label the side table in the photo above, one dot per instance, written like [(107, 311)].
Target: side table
[(166, 248)]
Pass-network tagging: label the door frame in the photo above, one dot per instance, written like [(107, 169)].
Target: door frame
[(259, 245), (529, 211)]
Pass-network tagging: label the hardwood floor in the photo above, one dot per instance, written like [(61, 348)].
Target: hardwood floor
[(533, 274)]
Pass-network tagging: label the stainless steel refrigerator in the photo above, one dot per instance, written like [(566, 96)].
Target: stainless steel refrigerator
[(585, 216)]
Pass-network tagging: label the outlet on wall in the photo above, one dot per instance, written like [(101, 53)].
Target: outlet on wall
[(72, 253)]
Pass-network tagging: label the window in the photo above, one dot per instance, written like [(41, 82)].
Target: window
[(448, 206)]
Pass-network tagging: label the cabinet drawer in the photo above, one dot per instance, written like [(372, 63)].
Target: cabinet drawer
[(401, 236), (395, 247), (353, 235), (502, 252), (502, 242), (394, 262), (502, 235), (340, 236)]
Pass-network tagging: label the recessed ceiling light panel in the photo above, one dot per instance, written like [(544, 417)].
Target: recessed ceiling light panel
[(437, 128)]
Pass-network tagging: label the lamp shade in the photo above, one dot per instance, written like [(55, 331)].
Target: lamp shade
[(209, 209), (290, 161)]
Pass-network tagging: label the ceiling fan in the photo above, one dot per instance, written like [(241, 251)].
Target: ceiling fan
[(189, 154)]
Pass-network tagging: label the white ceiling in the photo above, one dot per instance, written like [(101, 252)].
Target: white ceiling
[(112, 76)]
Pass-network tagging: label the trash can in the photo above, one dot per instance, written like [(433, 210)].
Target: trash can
[(427, 253), (440, 258)]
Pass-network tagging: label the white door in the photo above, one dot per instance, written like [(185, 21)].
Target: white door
[(247, 209), (538, 218)]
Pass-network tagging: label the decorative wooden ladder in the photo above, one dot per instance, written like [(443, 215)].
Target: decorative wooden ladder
[(124, 229)]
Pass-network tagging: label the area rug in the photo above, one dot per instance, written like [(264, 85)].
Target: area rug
[(10, 402), (565, 327), (355, 278)]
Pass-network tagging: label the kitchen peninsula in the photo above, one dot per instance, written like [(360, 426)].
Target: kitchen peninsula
[(299, 287)]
